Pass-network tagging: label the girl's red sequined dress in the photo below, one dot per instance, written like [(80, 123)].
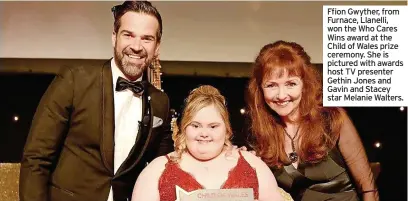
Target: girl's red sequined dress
[(241, 176)]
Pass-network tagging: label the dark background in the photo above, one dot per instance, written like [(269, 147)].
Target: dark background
[(20, 94)]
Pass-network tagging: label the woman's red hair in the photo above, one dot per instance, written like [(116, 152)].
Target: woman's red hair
[(320, 126)]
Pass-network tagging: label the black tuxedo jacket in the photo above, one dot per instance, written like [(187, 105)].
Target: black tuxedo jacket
[(69, 152)]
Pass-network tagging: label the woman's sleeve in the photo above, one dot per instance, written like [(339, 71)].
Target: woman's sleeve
[(353, 151)]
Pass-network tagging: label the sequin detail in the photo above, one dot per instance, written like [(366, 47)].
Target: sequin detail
[(241, 176), (9, 177)]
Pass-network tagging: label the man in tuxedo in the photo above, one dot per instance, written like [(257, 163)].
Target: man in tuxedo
[(95, 129)]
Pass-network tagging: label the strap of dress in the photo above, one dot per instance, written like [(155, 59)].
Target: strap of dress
[(168, 158), (169, 162), (241, 158)]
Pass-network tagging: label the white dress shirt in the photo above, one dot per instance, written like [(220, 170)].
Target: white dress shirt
[(128, 112)]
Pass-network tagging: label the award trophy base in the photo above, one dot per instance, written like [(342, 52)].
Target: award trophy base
[(241, 194)]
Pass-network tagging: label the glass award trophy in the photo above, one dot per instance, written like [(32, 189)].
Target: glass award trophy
[(238, 194)]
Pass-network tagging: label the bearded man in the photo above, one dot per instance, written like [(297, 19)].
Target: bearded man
[(96, 128)]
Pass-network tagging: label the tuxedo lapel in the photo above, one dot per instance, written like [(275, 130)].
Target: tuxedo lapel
[(107, 120), (144, 120), (143, 136)]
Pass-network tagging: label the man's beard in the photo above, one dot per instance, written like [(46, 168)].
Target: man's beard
[(131, 70)]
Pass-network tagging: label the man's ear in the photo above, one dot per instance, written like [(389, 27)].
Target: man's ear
[(113, 38), (157, 50)]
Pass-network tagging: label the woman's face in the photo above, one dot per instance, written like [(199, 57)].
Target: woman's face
[(206, 134), (283, 94)]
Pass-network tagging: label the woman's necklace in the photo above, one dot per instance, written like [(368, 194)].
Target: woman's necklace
[(293, 157)]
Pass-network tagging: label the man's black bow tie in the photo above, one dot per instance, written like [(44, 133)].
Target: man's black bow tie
[(135, 87)]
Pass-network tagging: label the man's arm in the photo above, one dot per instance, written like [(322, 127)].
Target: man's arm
[(166, 142), (46, 136)]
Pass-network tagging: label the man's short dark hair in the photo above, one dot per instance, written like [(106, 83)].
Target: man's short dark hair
[(144, 7)]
